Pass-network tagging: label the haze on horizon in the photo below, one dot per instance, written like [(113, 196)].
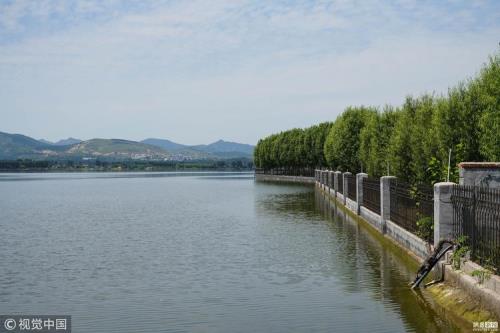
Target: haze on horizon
[(198, 71)]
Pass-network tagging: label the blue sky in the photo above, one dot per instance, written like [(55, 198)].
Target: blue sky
[(196, 71)]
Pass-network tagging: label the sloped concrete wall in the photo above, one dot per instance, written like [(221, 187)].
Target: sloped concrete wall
[(288, 179), (408, 240)]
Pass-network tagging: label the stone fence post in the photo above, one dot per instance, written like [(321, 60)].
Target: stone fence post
[(337, 176), (345, 191), (331, 184), (359, 191), (443, 211), (336, 182), (385, 201)]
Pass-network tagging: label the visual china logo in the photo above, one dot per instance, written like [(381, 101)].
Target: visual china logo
[(35, 323)]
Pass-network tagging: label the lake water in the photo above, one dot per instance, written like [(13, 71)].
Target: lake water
[(199, 252)]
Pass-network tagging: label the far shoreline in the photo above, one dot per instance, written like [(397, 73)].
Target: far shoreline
[(245, 171)]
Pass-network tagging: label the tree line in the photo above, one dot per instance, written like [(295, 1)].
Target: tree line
[(411, 142), (123, 165)]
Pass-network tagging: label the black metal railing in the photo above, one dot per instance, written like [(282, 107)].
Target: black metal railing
[(299, 172), (351, 187), (412, 207), (340, 183), (476, 218), (371, 194)]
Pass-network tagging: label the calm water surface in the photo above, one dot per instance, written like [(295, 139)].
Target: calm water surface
[(166, 252)]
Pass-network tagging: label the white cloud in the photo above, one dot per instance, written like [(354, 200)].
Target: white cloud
[(203, 70)]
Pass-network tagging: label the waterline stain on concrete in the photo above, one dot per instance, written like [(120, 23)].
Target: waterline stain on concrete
[(450, 301), (458, 302)]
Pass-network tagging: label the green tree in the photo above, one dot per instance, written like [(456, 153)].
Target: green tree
[(489, 100), (412, 141), (374, 141), (343, 141)]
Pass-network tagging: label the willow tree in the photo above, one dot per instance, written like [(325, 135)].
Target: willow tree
[(412, 141), (489, 100), (343, 141), (374, 141), (314, 142)]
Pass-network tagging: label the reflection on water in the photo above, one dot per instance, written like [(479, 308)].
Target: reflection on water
[(103, 175), (365, 262), (144, 252)]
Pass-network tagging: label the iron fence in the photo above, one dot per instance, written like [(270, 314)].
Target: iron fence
[(351, 187), (371, 194), (476, 218), (299, 172), (412, 207)]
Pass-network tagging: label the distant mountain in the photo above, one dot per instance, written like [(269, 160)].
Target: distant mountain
[(14, 146), (163, 143), (47, 142), (64, 142), (22, 146), (220, 149), (179, 151), (227, 148), (67, 142), (117, 148), (9, 142)]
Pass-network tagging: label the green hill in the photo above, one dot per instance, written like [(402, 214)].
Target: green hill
[(17, 146), (218, 150), (226, 149), (117, 149), (114, 147), (21, 146)]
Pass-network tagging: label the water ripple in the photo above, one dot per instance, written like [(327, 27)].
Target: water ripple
[(198, 253)]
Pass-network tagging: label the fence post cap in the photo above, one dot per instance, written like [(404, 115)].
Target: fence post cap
[(362, 174), (442, 184), (388, 177), (338, 172), (443, 188), (347, 173)]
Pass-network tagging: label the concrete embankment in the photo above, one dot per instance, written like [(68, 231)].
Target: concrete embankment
[(285, 179), (460, 294)]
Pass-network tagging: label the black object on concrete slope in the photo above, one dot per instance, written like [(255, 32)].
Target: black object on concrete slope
[(440, 250)]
